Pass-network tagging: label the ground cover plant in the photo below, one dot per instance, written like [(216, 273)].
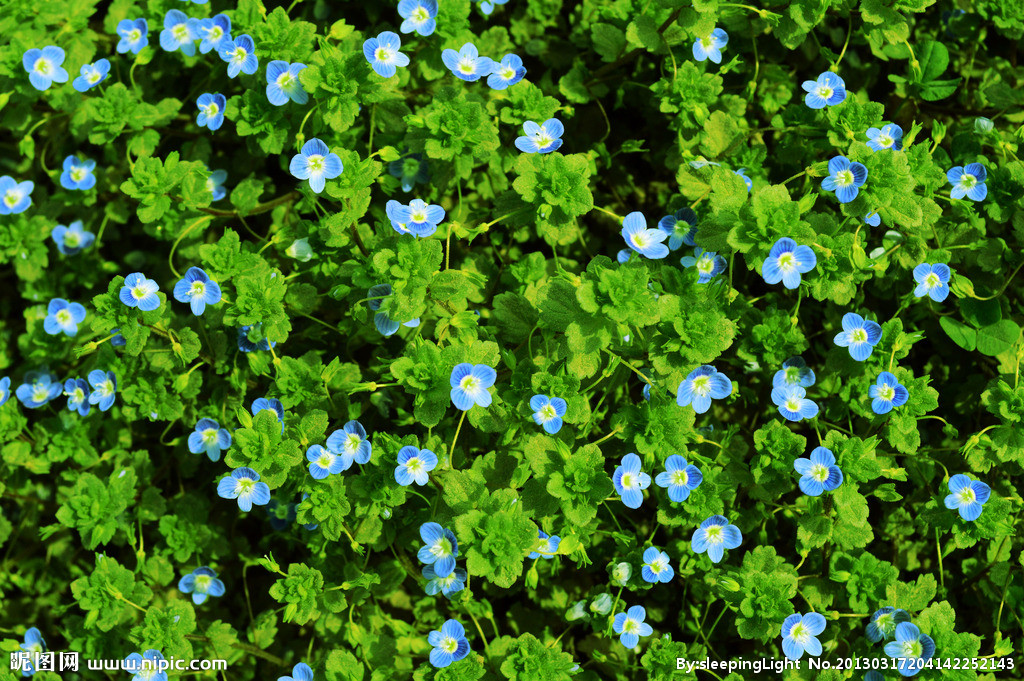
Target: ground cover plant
[(513, 339)]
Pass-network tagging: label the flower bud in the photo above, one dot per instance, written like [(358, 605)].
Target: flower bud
[(300, 250), (602, 605), (622, 573)]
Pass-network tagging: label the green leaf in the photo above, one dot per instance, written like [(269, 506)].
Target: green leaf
[(995, 339), (959, 333)]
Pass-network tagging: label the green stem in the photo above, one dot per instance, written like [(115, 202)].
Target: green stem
[(451, 451)]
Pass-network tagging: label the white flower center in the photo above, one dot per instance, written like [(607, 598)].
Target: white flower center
[(508, 73), (40, 393), (202, 583), (180, 33), (932, 280), (239, 55), (705, 265), (824, 91), (543, 140), (884, 140), (702, 386), (414, 464), (714, 534), (912, 649), (858, 335), (631, 626), (352, 443), (210, 436), (211, 109), (139, 292), (198, 289), (93, 77), (419, 216), (793, 404), (449, 644), (844, 178), (799, 633), (467, 65), (63, 316), (215, 34), (106, 388), (547, 412), (134, 35), (77, 395), (819, 472), (469, 384), (627, 481), (324, 461), (967, 495), (420, 14), (887, 392), (77, 173), (384, 55), (787, 262), (245, 486), (442, 547), (680, 477), (43, 66), (967, 180), (11, 197), (285, 80), (316, 163)]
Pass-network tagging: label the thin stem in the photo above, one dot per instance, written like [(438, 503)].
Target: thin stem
[(451, 451), (170, 256)]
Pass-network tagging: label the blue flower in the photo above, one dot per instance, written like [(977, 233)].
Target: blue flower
[(117, 340), (440, 548), (629, 480), (793, 403), (383, 53), (410, 170), (679, 477), (133, 33), (384, 323), (624, 255), (145, 666), (910, 645), (932, 280), (201, 583), (818, 473), (873, 219), (888, 137), (280, 515), (44, 66), (78, 173), (470, 383), (845, 178), (708, 264), (548, 412), (5, 390), (828, 90), (240, 54), (283, 83), (506, 73), (799, 634), (198, 290), (77, 392), (72, 239), (15, 197), (351, 444), (656, 567), (211, 110), (33, 643), (180, 32), (397, 213), (215, 184), (104, 388), (243, 484), (714, 536), (786, 262), (859, 335), (646, 392), (467, 63), (300, 672), (547, 546), (269, 404), (214, 32), (703, 384), (39, 388), (631, 626), (681, 228), (413, 465), (63, 317), (91, 75), (794, 371), (322, 462), (446, 586), (969, 181), (487, 6), (967, 496), (316, 163), (140, 292), (245, 344), (884, 622), (742, 172), (887, 393), (646, 242), (541, 139), (209, 437), (419, 15), (423, 218), (710, 46), (450, 644)]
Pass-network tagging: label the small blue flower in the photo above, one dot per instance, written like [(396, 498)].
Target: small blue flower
[(646, 392), (910, 645), (450, 644), (5, 390), (548, 412), (300, 672), (629, 480), (384, 55), (679, 477), (794, 371), (715, 535), (77, 392), (440, 548), (467, 63), (280, 515), (118, 340), (793, 403), (215, 184), (446, 586), (244, 485), (140, 292), (710, 46), (742, 172), (316, 163), (932, 281), (469, 385), (487, 6), (818, 473), (656, 567), (828, 90), (786, 261), (180, 33), (969, 181), (33, 644), (967, 496), (873, 219), (240, 54), (411, 170), (419, 15), (646, 242), (708, 264), (269, 404), (91, 75), (423, 218), (845, 178), (322, 462), (104, 388), (624, 255), (72, 239), (283, 83), (15, 197), (201, 583), (198, 290), (63, 317), (78, 174), (209, 437), (385, 324), (631, 626), (351, 444), (888, 137), (413, 465), (211, 110), (541, 139), (214, 32), (506, 73), (799, 635), (258, 342), (859, 335), (133, 34), (884, 622), (681, 228), (145, 666), (39, 388), (887, 393), (547, 546), (701, 386), (44, 66)]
